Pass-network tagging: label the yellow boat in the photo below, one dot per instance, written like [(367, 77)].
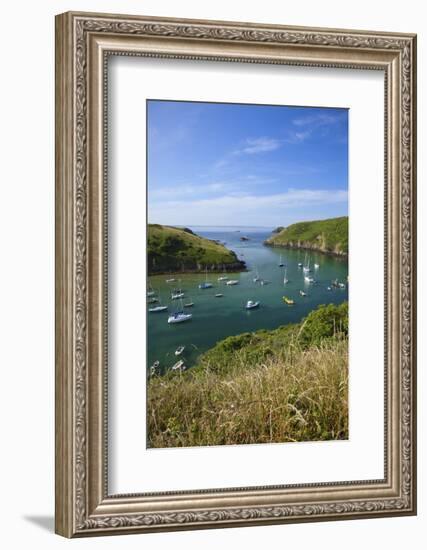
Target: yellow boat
[(288, 301)]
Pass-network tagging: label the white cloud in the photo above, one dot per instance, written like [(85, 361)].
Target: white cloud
[(298, 137), (246, 208), (320, 119), (258, 145)]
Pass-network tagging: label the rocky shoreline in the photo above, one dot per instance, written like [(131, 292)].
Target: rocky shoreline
[(236, 267), (307, 247)]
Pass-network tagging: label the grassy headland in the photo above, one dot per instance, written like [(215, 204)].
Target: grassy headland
[(288, 384), (330, 236), (172, 249)]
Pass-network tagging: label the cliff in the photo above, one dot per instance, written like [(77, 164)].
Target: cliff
[(172, 249), (329, 236)]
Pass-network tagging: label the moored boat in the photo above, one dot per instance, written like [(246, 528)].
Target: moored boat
[(251, 304), (288, 300), (179, 350), (206, 284), (179, 365), (232, 282), (179, 317), (154, 369), (157, 309)]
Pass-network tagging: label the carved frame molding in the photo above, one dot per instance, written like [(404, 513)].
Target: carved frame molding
[(83, 42)]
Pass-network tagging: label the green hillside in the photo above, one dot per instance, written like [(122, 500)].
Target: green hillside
[(171, 249), (329, 236), (288, 384)]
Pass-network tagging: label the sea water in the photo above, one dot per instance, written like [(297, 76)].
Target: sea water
[(216, 318)]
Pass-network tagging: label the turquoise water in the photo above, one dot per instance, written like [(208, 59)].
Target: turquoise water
[(216, 318)]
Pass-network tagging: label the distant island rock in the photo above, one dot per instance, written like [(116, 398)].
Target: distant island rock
[(329, 236), (173, 249)]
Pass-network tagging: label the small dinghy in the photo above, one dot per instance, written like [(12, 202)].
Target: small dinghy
[(179, 350), (232, 282), (219, 295), (288, 301), (179, 365), (302, 293), (154, 369)]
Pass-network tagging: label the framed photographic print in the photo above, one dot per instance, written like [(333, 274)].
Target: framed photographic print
[(235, 274)]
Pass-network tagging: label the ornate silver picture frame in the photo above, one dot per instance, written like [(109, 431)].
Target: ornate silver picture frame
[(84, 42)]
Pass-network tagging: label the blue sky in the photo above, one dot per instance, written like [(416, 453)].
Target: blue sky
[(249, 165)]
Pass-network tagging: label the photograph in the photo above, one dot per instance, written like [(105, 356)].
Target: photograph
[(247, 274)]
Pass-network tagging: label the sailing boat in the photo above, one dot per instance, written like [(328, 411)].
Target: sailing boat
[(190, 302), (206, 284), (150, 291), (257, 277), (179, 316), (159, 308), (285, 279), (306, 267), (223, 277), (281, 264)]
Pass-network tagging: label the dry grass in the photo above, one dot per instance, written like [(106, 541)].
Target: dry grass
[(295, 395)]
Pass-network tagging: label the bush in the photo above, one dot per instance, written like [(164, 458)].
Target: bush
[(324, 322)]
